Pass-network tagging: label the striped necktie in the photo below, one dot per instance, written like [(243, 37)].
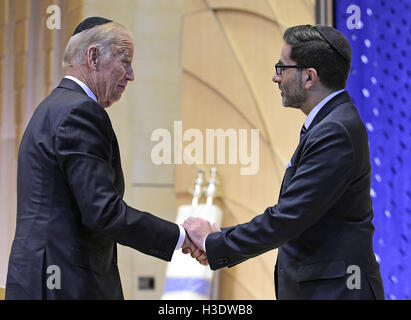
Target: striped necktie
[(302, 132)]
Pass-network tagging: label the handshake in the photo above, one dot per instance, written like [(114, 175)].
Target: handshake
[(197, 230)]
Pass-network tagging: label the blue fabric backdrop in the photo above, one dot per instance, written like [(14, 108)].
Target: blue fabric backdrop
[(379, 84)]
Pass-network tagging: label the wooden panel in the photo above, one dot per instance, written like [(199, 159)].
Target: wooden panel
[(255, 274), (21, 17), (245, 203), (257, 61), (259, 7), (251, 274), (1, 107), (21, 10), (19, 105), (201, 34), (48, 38), (198, 97), (1, 75), (231, 289), (45, 4), (2, 293), (4, 10), (21, 37), (73, 5), (75, 17), (20, 71), (48, 47), (191, 6), (48, 68), (75, 13), (293, 12), (71, 16), (2, 41)]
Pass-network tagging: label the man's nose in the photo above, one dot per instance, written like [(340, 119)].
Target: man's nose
[(276, 78), (130, 74)]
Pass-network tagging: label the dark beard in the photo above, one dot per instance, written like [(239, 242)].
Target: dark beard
[(298, 97)]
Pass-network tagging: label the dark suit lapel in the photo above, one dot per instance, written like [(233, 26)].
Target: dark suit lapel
[(330, 106), (116, 163)]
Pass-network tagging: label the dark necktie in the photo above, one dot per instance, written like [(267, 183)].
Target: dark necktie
[(302, 132)]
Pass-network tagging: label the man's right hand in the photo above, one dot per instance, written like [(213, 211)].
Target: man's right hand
[(196, 252), (198, 229)]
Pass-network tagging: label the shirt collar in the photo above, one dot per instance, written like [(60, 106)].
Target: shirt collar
[(84, 87), (318, 107)]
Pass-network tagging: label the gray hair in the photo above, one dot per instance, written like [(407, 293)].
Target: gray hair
[(104, 37)]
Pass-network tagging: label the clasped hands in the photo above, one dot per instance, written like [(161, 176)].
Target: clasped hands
[(197, 230)]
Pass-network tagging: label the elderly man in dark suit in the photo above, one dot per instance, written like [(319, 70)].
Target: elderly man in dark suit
[(322, 223), (70, 183)]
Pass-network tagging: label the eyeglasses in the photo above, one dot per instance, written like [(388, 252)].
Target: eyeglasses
[(279, 68)]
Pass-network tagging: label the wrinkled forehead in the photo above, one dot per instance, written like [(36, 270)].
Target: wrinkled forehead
[(125, 46)]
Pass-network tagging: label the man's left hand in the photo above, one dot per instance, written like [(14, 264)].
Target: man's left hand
[(198, 229)]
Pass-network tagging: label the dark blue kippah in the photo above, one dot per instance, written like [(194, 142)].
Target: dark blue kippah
[(90, 23), (336, 40)]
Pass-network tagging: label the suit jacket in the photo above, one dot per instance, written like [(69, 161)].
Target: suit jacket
[(70, 211), (322, 223)]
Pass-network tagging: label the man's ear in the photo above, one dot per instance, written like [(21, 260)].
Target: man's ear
[(92, 58), (311, 78)]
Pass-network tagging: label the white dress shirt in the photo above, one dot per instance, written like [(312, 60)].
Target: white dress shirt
[(93, 96)]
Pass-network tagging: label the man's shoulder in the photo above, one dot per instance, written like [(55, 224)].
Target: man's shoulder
[(65, 98), (67, 107), (345, 120), (61, 102), (346, 113)]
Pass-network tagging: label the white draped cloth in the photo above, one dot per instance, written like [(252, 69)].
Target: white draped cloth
[(186, 278)]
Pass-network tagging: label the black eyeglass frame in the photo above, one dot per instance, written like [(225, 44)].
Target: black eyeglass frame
[(279, 66)]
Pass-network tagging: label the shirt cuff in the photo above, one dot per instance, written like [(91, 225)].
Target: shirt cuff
[(181, 238), (204, 244)]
